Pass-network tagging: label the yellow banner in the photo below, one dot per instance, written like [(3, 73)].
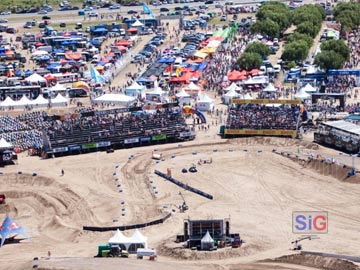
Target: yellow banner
[(265, 101), (272, 132)]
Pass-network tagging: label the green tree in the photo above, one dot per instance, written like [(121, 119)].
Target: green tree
[(259, 48), (348, 14), (249, 61), (276, 12), (299, 36), (266, 27), (295, 51), (308, 28), (329, 60), (337, 46)]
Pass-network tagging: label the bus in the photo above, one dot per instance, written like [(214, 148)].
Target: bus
[(16, 92), (66, 77)]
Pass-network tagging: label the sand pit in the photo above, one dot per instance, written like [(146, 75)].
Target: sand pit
[(253, 186)]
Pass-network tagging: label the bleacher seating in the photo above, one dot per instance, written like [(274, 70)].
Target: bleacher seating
[(259, 116)]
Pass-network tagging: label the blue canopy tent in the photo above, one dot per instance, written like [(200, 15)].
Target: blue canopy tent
[(100, 31), (53, 66), (28, 73), (18, 73)]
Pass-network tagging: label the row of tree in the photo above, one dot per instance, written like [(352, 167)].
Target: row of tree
[(253, 56), (308, 20), (348, 14)]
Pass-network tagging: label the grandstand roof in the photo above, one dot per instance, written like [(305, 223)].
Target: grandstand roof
[(344, 125)]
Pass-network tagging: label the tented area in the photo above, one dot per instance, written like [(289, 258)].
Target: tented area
[(269, 88), (301, 94), (183, 97), (205, 103), (135, 90), (207, 242), (131, 244), (229, 95), (308, 88), (4, 144), (116, 99)]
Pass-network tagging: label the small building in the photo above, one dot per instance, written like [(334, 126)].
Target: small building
[(196, 230)]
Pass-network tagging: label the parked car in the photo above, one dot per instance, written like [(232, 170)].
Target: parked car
[(46, 18), (6, 12), (62, 24), (223, 18), (115, 6), (42, 12), (93, 14), (164, 9), (27, 25), (132, 12), (4, 21)]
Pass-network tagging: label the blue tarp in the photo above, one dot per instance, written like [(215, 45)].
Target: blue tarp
[(167, 60), (58, 51), (28, 73), (143, 80), (100, 30), (52, 66), (18, 73)]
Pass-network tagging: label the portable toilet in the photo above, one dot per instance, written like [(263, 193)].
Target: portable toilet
[(81, 12)]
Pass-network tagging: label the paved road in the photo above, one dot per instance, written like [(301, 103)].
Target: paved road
[(124, 10)]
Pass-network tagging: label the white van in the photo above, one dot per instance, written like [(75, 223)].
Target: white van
[(141, 252), (48, 49), (178, 61)]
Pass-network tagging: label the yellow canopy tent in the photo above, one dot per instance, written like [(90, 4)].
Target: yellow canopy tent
[(200, 54)]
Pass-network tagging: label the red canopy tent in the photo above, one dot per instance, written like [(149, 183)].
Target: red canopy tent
[(132, 30), (236, 75)]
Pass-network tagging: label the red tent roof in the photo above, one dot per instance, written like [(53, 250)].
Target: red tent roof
[(132, 29)]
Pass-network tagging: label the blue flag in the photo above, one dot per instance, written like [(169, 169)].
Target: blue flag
[(147, 10), (10, 227), (95, 75)]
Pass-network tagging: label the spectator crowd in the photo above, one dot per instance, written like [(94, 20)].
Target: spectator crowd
[(258, 116)]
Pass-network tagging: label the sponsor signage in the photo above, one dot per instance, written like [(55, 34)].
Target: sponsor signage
[(145, 139), (131, 140), (88, 146), (158, 137), (186, 134), (103, 144), (60, 149), (265, 101), (272, 132), (74, 147)]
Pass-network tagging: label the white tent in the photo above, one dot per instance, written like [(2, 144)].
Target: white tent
[(118, 99), (192, 89), (183, 97), (135, 90), (250, 81), (40, 101), (301, 94), (229, 95), (137, 23), (247, 96), (8, 102), (35, 78), (205, 103), (23, 102), (57, 88), (233, 86), (4, 144), (59, 100), (309, 88), (270, 88), (137, 240), (207, 242), (156, 94), (138, 237), (39, 53)]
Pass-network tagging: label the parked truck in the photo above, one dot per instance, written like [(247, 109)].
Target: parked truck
[(107, 250)]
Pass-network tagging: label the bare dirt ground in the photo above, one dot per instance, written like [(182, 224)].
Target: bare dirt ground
[(257, 189)]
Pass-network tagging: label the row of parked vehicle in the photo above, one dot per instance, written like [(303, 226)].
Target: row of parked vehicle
[(149, 49)]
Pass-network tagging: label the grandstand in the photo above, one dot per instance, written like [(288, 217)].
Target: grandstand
[(114, 129), (262, 117), (90, 130), (341, 135)]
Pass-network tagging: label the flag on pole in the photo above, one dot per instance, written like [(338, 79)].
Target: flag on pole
[(147, 10), (95, 75)]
